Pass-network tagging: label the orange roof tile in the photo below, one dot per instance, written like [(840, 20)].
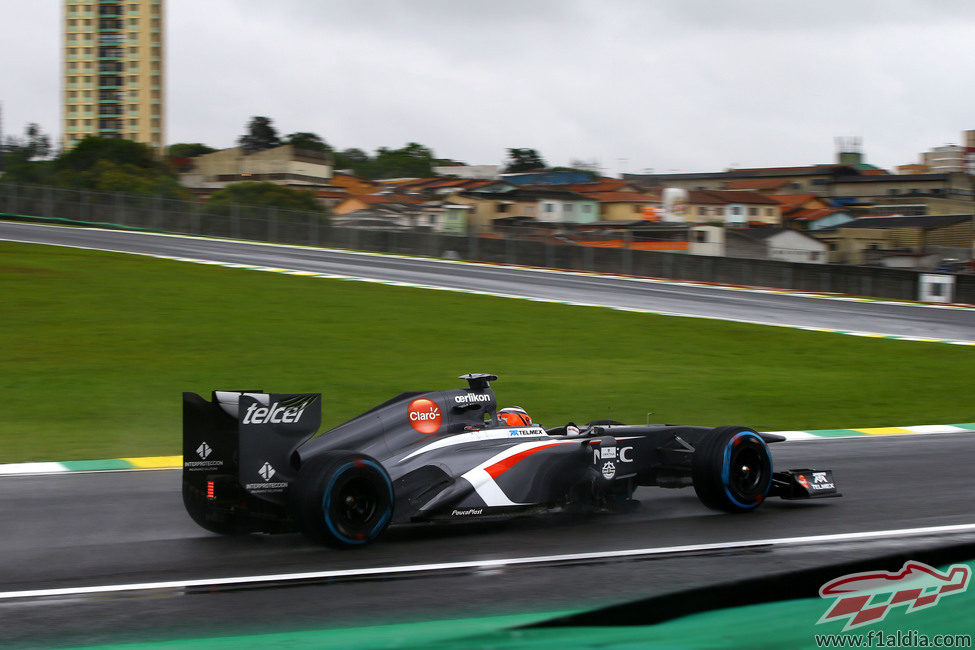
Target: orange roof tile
[(440, 182), (467, 183), (811, 214), (791, 202), (417, 182), (351, 182), (721, 197), (622, 197), (373, 199)]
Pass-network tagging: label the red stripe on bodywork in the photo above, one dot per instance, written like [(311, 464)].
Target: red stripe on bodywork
[(503, 466)]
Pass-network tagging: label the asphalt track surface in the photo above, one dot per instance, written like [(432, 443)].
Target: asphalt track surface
[(92, 529), (711, 302), (95, 529)]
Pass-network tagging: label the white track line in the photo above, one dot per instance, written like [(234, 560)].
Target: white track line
[(487, 564), (786, 292), (501, 294), (438, 260)]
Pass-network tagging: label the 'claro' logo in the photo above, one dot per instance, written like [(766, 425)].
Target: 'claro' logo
[(424, 415)]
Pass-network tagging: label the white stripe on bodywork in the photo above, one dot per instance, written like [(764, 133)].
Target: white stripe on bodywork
[(489, 491), (229, 400), (478, 436), (486, 487)]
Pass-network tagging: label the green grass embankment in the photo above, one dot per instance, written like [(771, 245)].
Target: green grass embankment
[(95, 349)]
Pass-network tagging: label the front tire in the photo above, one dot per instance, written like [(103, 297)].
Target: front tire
[(732, 469), (343, 499)]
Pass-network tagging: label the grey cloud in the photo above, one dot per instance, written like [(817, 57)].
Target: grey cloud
[(666, 84)]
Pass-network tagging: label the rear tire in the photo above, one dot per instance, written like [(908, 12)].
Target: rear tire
[(343, 499), (732, 469)]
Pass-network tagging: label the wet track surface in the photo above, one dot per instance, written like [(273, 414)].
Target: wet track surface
[(902, 320), (129, 527)]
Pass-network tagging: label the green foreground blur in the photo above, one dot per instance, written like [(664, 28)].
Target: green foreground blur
[(787, 624)]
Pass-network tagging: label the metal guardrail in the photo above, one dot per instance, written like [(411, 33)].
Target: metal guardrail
[(261, 223), (269, 224)]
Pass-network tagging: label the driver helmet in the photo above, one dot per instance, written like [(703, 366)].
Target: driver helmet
[(514, 416)]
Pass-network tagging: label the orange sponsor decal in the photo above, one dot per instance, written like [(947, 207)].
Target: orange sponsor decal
[(424, 415)]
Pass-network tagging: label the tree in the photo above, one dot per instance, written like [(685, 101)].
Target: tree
[(305, 140), (108, 176), (350, 159), (413, 160), (34, 144), (355, 155), (260, 135), (17, 155), (188, 149), (251, 193), (524, 160), (448, 162), (90, 151), (585, 165), (104, 165)]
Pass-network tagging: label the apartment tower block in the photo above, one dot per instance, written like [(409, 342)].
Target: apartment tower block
[(113, 71)]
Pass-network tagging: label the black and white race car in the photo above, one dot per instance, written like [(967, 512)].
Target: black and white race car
[(252, 463)]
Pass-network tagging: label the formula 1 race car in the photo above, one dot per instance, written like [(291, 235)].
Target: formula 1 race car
[(252, 463)]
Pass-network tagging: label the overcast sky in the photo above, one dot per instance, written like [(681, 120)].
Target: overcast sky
[(668, 85)]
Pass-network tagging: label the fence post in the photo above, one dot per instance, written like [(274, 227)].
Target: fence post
[(195, 228), (235, 221), (119, 209), (271, 216), (49, 202), (86, 210), (628, 252), (434, 240), (867, 285)]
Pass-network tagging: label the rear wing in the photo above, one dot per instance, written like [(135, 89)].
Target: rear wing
[(247, 437)]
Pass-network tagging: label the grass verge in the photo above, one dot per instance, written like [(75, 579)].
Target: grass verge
[(95, 349)]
